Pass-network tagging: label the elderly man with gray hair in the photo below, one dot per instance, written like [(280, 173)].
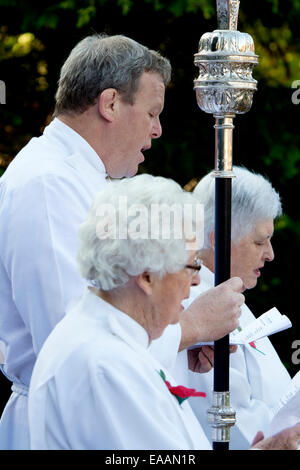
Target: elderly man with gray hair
[(95, 384), (257, 376)]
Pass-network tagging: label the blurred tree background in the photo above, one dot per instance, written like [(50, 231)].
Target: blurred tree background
[(36, 37)]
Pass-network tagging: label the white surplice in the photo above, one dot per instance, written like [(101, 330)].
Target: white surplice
[(45, 194), (95, 385), (257, 380)]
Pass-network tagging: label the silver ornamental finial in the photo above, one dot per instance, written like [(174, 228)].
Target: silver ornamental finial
[(225, 59)]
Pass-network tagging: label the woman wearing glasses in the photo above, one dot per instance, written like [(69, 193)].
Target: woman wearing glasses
[(96, 384)]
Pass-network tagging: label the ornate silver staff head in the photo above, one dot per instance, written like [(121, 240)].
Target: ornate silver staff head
[(225, 59)]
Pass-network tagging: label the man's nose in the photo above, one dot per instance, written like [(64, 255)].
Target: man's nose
[(157, 129)]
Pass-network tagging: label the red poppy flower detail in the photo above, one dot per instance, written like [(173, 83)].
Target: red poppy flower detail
[(253, 345), (180, 392)]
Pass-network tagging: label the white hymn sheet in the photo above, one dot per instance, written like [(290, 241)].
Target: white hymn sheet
[(287, 411), (267, 324)]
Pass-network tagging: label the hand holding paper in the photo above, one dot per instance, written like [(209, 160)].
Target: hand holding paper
[(267, 324)]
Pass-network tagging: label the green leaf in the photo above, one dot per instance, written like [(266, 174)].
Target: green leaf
[(85, 15), (125, 6), (162, 374)]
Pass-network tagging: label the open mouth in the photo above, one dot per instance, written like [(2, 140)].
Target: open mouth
[(146, 147)]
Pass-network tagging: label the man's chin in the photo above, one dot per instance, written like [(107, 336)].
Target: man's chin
[(250, 285), (124, 172), (131, 172)]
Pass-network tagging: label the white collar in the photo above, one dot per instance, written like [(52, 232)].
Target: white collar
[(119, 322), (73, 143)]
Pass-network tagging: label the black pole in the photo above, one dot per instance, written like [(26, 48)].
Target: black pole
[(222, 273)]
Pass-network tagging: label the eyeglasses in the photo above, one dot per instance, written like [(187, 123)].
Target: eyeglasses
[(196, 266)]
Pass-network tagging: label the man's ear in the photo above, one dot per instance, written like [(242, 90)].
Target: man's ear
[(145, 281), (211, 237), (107, 103)]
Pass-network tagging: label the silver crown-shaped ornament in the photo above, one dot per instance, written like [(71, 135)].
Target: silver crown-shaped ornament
[(226, 58)]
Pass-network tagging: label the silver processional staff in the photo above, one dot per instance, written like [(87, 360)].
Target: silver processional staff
[(224, 88)]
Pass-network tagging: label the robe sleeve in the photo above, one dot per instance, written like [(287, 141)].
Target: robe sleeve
[(39, 253)]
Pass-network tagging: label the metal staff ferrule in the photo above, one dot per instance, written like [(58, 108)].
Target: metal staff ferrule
[(221, 417), (223, 146)]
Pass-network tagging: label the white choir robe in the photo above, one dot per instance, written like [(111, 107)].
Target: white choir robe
[(95, 385), (45, 193), (257, 381)]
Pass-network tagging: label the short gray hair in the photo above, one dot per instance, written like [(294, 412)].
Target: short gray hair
[(99, 62), (110, 262), (253, 200)]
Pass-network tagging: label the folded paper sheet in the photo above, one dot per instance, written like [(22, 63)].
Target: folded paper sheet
[(267, 324), (287, 411)]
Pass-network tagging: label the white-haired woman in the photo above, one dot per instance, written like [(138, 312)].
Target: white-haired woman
[(96, 385), (257, 376)]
